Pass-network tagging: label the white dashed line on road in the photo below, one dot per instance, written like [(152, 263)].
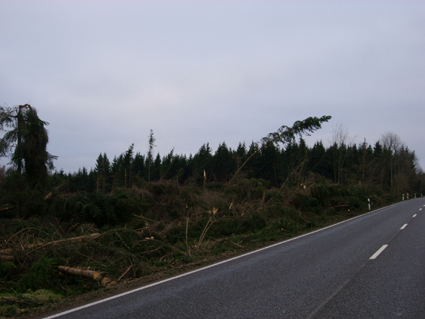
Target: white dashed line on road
[(380, 250), (404, 226)]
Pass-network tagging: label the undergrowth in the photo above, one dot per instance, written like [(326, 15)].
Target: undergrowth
[(142, 231)]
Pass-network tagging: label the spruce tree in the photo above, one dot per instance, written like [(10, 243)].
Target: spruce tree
[(286, 134), (26, 143)]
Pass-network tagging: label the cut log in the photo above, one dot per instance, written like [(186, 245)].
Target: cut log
[(81, 272), (104, 281)]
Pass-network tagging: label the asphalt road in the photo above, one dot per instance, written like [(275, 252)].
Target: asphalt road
[(324, 274)]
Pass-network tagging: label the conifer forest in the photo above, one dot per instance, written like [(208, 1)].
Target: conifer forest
[(136, 217)]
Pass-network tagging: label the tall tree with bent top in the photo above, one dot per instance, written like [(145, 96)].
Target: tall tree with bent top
[(26, 143), (286, 134)]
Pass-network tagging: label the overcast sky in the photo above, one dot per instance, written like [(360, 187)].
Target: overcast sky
[(103, 73)]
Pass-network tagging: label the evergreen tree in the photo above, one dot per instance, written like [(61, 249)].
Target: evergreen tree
[(253, 161), (202, 163), (126, 166), (138, 167), (102, 170), (318, 161), (156, 168), (165, 172), (240, 154), (27, 141), (223, 163), (117, 164), (269, 167), (287, 134), (378, 165)]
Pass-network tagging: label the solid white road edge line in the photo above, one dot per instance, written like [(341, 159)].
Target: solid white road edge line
[(210, 266), (403, 227), (380, 250)]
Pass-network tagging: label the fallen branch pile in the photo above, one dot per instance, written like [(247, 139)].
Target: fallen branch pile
[(5, 254)]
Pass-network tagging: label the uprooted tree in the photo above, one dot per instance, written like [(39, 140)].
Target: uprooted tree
[(26, 143)]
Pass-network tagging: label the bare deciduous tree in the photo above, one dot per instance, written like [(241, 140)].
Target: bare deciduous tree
[(392, 142)]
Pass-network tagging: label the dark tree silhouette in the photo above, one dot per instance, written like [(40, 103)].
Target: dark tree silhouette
[(26, 142)]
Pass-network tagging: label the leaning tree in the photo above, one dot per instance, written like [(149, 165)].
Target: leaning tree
[(286, 134)]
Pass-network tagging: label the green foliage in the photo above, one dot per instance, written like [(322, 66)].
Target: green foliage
[(247, 189), (279, 159), (28, 139), (43, 273), (287, 134), (97, 208), (165, 213), (102, 169), (24, 202), (165, 226), (7, 268)]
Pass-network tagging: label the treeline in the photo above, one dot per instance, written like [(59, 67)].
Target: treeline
[(138, 214), (388, 164)]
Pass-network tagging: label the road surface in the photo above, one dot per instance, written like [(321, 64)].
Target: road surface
[(372, 266)]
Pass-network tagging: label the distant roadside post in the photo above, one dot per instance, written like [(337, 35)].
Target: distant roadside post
[(368, 202)]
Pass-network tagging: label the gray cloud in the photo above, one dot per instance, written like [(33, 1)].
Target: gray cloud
[(105, 73)]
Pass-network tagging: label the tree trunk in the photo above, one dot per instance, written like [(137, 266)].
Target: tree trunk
[(81, 272), (91, 274)]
